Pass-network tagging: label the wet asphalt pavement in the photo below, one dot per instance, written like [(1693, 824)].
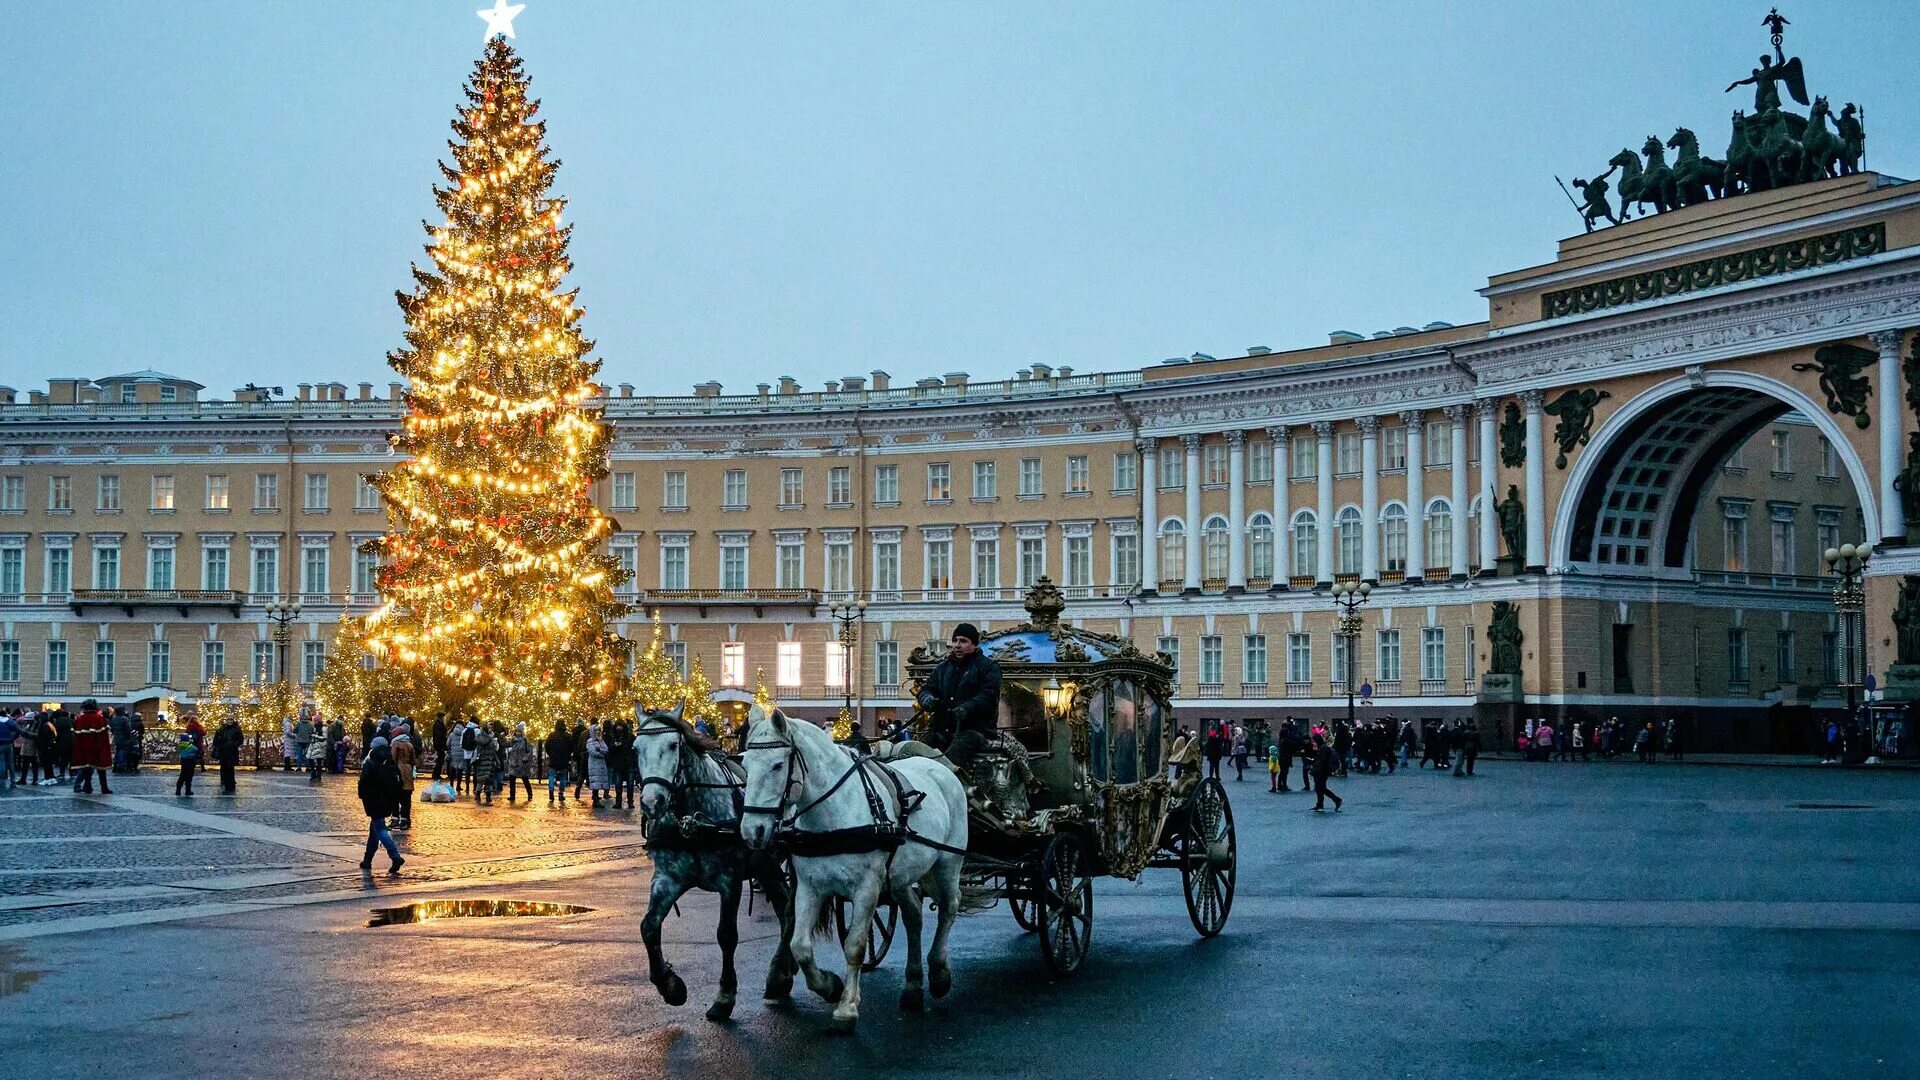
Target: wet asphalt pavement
[(1563, 920)]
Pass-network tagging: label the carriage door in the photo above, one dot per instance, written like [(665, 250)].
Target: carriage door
[(1124, 735), (1153, 747), (1097, 707)]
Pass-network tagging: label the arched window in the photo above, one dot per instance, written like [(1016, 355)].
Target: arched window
[(1213, 545), (1393, 538), (1473, 535), (1173, 550), (1347, 555), (1306, 544), (1439, 534), (1260, 546)]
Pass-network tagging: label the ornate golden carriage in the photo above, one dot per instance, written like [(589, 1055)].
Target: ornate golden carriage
[(1078, 784)]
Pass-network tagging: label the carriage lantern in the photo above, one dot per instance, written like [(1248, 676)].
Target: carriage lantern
[(1057, 697)]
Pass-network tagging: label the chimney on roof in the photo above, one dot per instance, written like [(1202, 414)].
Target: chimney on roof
[(1023, 375), (306, 391), (6, 395), (708, 389), (1343, 337), (626, 389), (1400, 330), (1200, 357), (366, 391), (396, 391), (760, 390), (1378, 334), (1043, 371), (1438, 325), (928, 383), (789, 386), (1259, 350), (853, 384), (956, 378), (1064, 373), (881, 380), (833, 386)]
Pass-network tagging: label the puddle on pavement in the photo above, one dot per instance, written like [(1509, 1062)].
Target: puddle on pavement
[(435, 910), (13, 978)]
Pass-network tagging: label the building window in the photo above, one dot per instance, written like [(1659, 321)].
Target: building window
[(1348, 527), (1253, 660), (626, 493), (1782, 452), (677, 656), (1830, 658), (1079, 564), (159, 568), (986, 562), (266, 666), (163, 493), (733, 566), (793, 493), (1474, 526), (1033, 560), (1210, 660), (1393, 448), (673, 565), (790, 565), (1781, 541), (1439, 533), (365, 495), (213, 659), (1393, 538), (733, 663), (1340, 672), (733, 489), (313, 660), (366, 564), (1829, 461), (1305, 462), (60, 494), (1826, 527), (1259, 461), (836, 673), (1734, 537), (886, 485), (103, 663), (940, 482), (1031, 483), (56, 661), (266, 491), (1079, 475), (940, 564), (1388, 650), (1783, 658), (1306, 544), (626, 555), (1213, 547), (13, 494), (1346, 453), (59, 571), (840, 486), (1173, 468), (313, 571), (13, 571), (1433, 653), (1173, 551), (315, 492), (1439, 443), (109, 494), (1170, 645), (214, 573), (886, 663), (1126, 561), (106, 568), (1126, 471), (840, 566), (673, 490), (1736, 654), (886, 566), (787, 664), (10, 663), (986, 485), (1299, 658), (1213, 463)]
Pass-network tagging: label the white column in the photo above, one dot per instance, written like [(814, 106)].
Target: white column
[(1532, 401), (1489, 487), (1416, 422), (1192, 445), (1369, 498), (1150, 515), (1457, 421), (1323, 453), (1236, 511), (1893, 518), (1282, 512)]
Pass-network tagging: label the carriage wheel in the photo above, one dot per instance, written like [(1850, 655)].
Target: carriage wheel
[(1208, 857), (886, 918), (1065, 904), (1026, 912)]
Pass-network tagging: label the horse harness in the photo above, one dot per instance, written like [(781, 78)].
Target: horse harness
[(885, 834), (679, 831)]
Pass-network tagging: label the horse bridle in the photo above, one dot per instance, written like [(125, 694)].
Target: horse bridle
[(676, 786), (796, 767)]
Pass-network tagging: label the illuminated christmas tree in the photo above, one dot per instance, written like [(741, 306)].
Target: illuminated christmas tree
[(655, 681), (700, 704), (492, 574)]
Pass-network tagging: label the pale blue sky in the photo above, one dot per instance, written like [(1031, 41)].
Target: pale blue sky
[(233, 190)]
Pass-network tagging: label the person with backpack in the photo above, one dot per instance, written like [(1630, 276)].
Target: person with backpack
[(1273, 767), (400, 745), (191, 744), (520, 762), (380, 797), (1325, 764)]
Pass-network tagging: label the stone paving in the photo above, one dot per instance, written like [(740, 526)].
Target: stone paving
[(1564, 920)]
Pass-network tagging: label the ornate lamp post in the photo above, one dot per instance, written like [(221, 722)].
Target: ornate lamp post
[(1348, 598), (281, 615), (849, 616), (1848, 564)]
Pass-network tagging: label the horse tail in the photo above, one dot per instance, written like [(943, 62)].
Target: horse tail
[(824, 923)]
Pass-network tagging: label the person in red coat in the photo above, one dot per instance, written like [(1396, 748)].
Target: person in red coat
[(92, 748)]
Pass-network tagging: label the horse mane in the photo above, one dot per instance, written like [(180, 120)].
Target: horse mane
[(705, 744)]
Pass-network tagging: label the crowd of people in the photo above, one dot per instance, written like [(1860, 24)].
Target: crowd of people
[(1539, 740)]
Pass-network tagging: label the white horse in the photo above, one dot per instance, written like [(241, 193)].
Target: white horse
[(802, 790)]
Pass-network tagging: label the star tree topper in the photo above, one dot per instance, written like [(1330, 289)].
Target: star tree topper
[(500, 18)]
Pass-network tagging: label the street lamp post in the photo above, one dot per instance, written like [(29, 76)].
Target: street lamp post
[(281, 614), (1848, 564), (849, 616), (1348, 597)]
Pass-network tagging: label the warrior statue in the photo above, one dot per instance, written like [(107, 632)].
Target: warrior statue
[(1513, 521), (1505, 635), (1906, 622), (1594, 191), (1853, 139)]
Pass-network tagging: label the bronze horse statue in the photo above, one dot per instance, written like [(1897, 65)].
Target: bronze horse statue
[(1696, 178), (1651, 185), (1823, 150)]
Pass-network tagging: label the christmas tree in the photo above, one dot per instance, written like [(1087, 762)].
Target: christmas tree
[(655, 682), (493, 581)]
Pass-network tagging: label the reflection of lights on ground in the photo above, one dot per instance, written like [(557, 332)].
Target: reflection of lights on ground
[(429, 910)]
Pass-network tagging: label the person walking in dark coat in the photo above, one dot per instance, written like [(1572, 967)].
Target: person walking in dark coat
[(963, 698), (191, 745), (559, 760), (92, 749), (380, 798), (226, 751), (1216, 749), (1325, 762), (577, 768)]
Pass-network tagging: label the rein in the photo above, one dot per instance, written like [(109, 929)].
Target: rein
[(882, 834), (677, 787)]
